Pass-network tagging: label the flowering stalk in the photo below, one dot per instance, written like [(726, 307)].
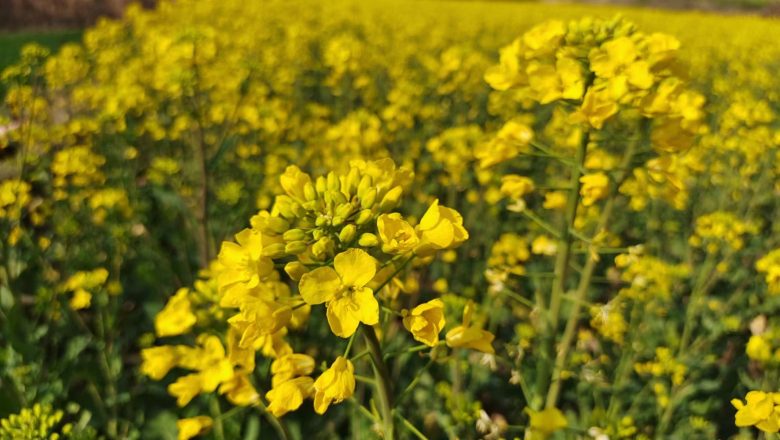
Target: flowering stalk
[(383, 382)]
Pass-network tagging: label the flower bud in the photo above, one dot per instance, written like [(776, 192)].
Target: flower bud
[(274, 250), (295, 247), (309, 192), (368, 240), (364, 217), (322, 248), (390, 200), (347, 233), (368, 198), (276, 224), (294, 235), (295, 269)]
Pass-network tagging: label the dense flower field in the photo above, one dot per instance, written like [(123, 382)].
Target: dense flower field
[(393, 220)]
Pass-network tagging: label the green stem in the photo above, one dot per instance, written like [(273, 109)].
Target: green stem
[(582, 287), (562, 263), (383, 386), (623, 369)]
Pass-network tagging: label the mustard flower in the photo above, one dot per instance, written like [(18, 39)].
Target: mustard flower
[(440, 228), (334, 385), (594, 188), (425, 321), (343, 289), (176, 318), (467, 335), (396, 234), (289, 395), (193, 427)]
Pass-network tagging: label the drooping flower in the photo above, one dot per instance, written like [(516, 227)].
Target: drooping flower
[(334, 385), (193, 427), (467, 335), (425, 321), (397, 235), (440, 228), (289, 395), (176, 318)]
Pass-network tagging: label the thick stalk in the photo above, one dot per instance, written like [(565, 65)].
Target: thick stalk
[(582, 287), (383, 384), (562, 262)]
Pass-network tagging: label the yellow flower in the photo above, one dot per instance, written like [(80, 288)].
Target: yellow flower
[(545, 422), (440, 228), (158, 361), (544, 245), (554, 200), (758, 349), (425, 321), (511, 140), (288, 396), (239, 391), (596, 108), (81, 299), (397, 235), (343, 289), (176, 317), (594, 187), (291, 365), (243, 265), (334, 385), (760, 409), (468, 336), (193, 426), (212, 365), (515, 186)]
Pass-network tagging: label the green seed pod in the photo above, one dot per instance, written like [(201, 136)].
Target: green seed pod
[(368, 240)]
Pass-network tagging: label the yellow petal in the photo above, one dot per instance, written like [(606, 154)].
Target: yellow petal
[(355, 267), (320, 285)]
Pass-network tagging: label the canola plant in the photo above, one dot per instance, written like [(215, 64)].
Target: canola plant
[(393, 220)]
